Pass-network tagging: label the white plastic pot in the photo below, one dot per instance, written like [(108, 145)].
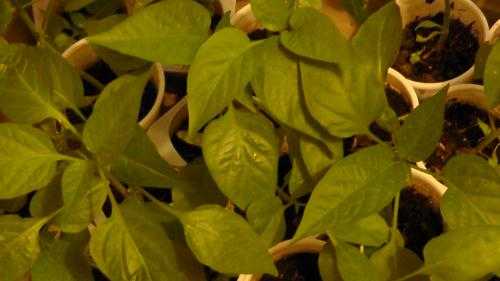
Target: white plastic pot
[(467, 12), (471, 94), (495, 32), (82, 56)]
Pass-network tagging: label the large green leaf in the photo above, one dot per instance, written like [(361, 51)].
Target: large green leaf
[(141, 248), (112, 124), (19, 246), (473, 197), (141, 165), (273, 14), (422, 129), (28, 160), (37, 84), (6, 12), (169, 32), (63, 259), (83, 194), (314, 35), (354, 187), (492, 76), (319, 156), (277, 86), (266, 216), (48, 199), (219, 72), (353, 265), (463, 255), (369, 231), (241, 150), (327, 263), (378, 40), (225, 242)]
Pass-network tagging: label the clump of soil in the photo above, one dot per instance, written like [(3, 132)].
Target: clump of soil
[(419, 219), (300, 267), (437, 64), (461, 133)]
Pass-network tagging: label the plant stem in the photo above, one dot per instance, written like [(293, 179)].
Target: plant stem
[(48, 13), (488, 140), (27, 20), (92, 81), (413, 274), (285, 197), (446, 25), (117, 184), (160, 204), (375, 138), (395, 216)]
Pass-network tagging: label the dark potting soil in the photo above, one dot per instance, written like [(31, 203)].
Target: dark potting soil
[(260, 34), (98, 276), (461, 133), (300, 267), (188, 151), (100, 71), (148, 99), (437, 64), (419, 219), (176, 84)]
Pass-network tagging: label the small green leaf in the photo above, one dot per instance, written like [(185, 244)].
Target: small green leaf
[(463, 255), (6, 12), (83, 193), (233, 143), (374, 179), (473, 197), (225, 242), (424, 39), (273, 14), (266, 216), (140, 164), (353, 265), (169, 32), (492, 76), (19, 246), (108, 132), (422, 129), (327, 263), (276, 85), (218, 73), (427, 24), (63, 259), (369, 231), (28, 160), (314, 35)]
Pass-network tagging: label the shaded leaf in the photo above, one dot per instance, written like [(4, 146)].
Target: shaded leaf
[(492, 76), (273, 14), (266, 216), (353, 265), (369, 231)]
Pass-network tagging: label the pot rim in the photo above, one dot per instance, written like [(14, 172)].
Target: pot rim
[(494, 32), (89, 58)]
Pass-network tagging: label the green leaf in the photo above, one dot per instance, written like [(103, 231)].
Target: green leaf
[(47, 200), (224, 22), (374, 177), (273, 14), (108, 132), (422, 129), (473, 197), (141, 248), (84, 193), (319, 156), (28, 160), (39, 84), (378, 40), (317, 4), (327, 263), (353, 265), (276, 85), (481, 59), (225, 242), (63, 259), (463, 255), (492, 76), (357, 9), (6, 12), (94, 26), (344, 103), (19, 246), (141, 165), (13, 205), (217, 75), (169, 32), (369, 231), (314, 35), (233, 143), (267, 219)]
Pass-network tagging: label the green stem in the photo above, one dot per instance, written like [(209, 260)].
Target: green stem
[(48, 13), (160, 204), (117, 184), (446, 24), (413, 274), (488, 140), (395, 216), (92, 81), (375, 138), (27, 21), (285, 197)]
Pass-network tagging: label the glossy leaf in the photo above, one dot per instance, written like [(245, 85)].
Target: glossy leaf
[(273, 14), (225, 242), (314, 35), (169, 32), (28, 160), (108, 132), (353, 265), (369, 231), (218, 73), (492, 76), (233, 143), (422, 129), (354, 188), (19, 246), (463, 255), (63, 259), (140, 164), (473, 197), (276, 85), (83, 194)]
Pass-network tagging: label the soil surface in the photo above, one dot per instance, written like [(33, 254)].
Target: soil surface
[(176, 84), (419, 219), (300, 267), (437, 64)]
